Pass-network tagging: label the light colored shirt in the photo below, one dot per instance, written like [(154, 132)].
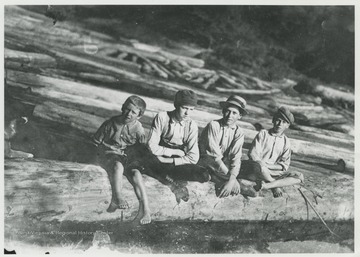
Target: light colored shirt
[(221, 148), (271, 149), (167, 134), (114, 135)]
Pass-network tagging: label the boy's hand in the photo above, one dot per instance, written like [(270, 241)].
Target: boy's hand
[(178, 152), (165, 159), (142, 139), (227, 188)]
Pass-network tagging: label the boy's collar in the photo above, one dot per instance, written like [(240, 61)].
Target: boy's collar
[(233, 126), (271, 132), (122, 121), (174, 120)]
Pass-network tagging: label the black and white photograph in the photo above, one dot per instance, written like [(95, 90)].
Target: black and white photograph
[(179, 128)]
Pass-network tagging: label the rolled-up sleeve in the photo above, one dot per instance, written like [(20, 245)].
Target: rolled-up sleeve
[(284, 159), (99, 136), (191, 150)]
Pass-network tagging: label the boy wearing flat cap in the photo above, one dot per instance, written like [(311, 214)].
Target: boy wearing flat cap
[(271, 149), (174, 142), (221, 145)]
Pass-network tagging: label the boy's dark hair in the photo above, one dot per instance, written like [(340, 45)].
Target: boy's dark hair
[(137, 101)]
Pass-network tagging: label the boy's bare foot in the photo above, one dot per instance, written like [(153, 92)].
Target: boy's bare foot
[(123, 204), (277, 192), (146, 218), (112, 207), (143, 215)]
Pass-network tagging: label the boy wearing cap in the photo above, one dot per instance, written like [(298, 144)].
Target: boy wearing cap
[(173, 144), (271, 149), (221, 145), (113, 140)]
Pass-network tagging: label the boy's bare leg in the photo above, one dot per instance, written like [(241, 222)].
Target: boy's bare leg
[(144, 214), (284, 182), (118, 182), (266, 177)]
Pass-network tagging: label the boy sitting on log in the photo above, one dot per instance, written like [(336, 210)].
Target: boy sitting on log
[(119, 142), (271, 150), (173, 149), (221, 145)]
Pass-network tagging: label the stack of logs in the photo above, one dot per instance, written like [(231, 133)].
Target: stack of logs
[(56, 68)]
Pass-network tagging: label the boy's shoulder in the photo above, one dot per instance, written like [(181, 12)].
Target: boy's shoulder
[(163, 115)]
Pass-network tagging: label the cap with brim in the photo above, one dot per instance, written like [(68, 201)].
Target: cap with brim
[(286, 114), (237, 101), (185, 97)]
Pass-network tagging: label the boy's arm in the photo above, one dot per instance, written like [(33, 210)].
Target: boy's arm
[(256, 148), (192, 153), (213, 146), (235, 155), (99, 136), (140, 135), (284, 160), (155, 137)]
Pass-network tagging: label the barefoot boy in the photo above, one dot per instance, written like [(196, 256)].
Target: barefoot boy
[(221, 145), (173, 146), (113, 139), (271, 149)]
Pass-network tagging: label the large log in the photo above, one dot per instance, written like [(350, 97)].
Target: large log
[(54, 190), (29, 59), (254, 92), (298, 146), (89, 123), (328, 94)]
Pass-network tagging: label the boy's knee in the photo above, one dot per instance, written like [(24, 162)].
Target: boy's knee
[(301, 177), (204, 176), (118, 167), (256, 168)]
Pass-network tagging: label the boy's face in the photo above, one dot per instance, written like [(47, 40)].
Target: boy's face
[(280, 125), (183, 112), (130, 113), (231, 115)]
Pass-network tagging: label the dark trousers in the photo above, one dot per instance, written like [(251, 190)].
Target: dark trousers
[(187, 172), (154, 168), (249, 170)]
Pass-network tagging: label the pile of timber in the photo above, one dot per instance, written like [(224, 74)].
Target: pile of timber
[(66, 76), (85, 107), (53, 190), (85, 55), (56, 67)]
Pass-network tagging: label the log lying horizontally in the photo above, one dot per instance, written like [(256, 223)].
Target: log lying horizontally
[(111, 96), (54, 190), (89, 123), (328, 94), (29, 59), (248, 91)]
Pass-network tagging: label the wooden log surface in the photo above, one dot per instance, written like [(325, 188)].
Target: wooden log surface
[(89, 123), (252, 92), (54, 190), (29, 59), (79, 121)]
